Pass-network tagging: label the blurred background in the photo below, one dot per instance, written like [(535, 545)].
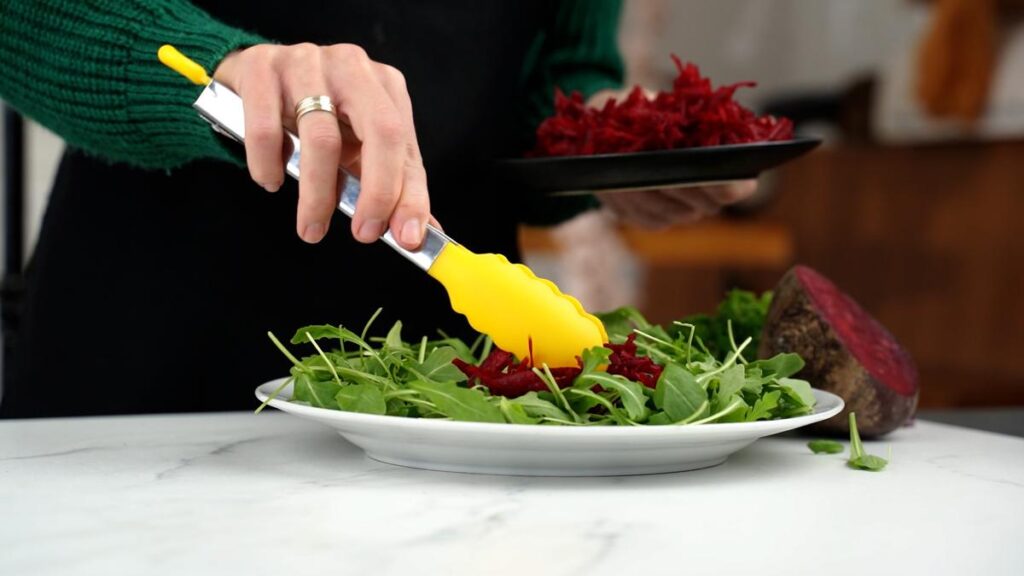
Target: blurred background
[(913, 206)]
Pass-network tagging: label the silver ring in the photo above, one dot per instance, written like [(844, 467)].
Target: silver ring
[(313, 104)]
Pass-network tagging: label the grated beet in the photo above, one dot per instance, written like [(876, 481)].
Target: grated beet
[(691, 114), (846, 352), (625, 362), (504, 376)]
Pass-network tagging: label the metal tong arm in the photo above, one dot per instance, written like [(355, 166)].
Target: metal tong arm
[(222, 108)]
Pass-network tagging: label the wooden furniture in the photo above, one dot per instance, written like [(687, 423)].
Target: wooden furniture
[(930, 240)]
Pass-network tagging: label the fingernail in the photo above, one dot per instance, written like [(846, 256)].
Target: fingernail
[(273, 187), (371, 230), (412, 232), (314, 233)]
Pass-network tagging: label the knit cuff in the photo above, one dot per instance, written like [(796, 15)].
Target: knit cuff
[(159, 101)]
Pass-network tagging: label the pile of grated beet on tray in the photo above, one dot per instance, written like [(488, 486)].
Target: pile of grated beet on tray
[(691, 115)]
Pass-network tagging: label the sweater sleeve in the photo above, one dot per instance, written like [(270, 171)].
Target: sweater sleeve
[(88, 71), (577, 52)]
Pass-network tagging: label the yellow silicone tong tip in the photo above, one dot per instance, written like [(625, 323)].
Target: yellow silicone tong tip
[(175, 60), (514, 307)]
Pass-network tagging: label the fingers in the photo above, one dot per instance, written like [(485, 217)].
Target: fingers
[(413, 209), (663, 208), (696, 200), (261, 99), (732, 192), (320, 139), (650, 209), (379, 126), (374, 122)]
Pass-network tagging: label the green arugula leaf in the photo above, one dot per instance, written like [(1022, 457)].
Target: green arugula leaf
[(745, 311), (763, 407), (316, 393), (620, 323), (581, 405), (393, 341), (599, 400), (458, 403), (733, 409), (798, 391), (631, 393), (365, 398), (779, 366), (678, 393), (825, 446), (438, 366), (515, 413), (868, 462), (719, 415), (860, 460), (594, 358), (537, 407), (856, 447), (397, 407), (317, 331), (556, 392), (659, 419), (753, 380), (731, 381)]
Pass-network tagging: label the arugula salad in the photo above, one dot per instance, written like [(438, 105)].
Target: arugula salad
[(696, 371)]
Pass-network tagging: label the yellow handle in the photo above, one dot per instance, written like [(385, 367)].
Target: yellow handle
[(175, 60)]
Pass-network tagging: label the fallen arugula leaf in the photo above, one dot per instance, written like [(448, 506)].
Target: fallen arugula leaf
[(868, 462), (860, 460), (825, 447)]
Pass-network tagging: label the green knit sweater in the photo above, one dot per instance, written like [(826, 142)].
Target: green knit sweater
[(87, 70)]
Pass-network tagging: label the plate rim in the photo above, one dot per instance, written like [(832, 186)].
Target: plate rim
[(810, 141), (263, 391)]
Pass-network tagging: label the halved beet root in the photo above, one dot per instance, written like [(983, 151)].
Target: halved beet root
[(846, 351)]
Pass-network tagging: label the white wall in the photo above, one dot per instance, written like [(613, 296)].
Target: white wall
[(43, 151), (784, 45)]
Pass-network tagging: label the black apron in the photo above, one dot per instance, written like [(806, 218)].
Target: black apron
[(153, 292)]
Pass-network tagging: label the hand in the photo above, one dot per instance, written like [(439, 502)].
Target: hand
[(663, 208), (668, 207), (373, 137)]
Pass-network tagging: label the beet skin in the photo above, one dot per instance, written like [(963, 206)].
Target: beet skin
[(847, 352)]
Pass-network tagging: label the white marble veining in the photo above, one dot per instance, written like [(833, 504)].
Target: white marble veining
[(269, 494)]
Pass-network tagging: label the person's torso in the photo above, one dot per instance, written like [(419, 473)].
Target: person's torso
[(173, 279)]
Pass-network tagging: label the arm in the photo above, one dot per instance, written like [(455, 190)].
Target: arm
[(88, 71), (577, 51)]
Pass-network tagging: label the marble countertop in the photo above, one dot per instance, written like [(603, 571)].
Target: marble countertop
[(269, 494)]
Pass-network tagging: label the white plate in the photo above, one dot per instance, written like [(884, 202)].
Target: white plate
[(525, 450)]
